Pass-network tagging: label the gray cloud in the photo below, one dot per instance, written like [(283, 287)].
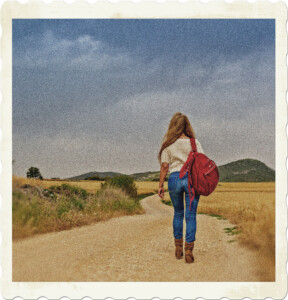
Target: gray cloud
[(83, 106)]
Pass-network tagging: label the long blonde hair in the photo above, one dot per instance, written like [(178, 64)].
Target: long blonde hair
[(179, 124)]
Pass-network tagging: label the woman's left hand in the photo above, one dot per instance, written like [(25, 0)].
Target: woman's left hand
[(161, 192)]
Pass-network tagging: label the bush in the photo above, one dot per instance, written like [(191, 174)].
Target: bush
[(69, 190), (125, 182), (68, 204), (113, 199)]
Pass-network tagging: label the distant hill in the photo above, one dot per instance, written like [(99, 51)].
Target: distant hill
[(147, 176), (244, 170), (99, 174)]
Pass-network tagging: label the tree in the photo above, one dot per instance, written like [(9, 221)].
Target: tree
[(125, 182), (34, 172)]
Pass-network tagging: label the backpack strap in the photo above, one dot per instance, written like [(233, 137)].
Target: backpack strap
[(193, 144)]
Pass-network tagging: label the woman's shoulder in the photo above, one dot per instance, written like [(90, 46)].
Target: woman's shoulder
[(180, 143), (199, 146), (186, 140)]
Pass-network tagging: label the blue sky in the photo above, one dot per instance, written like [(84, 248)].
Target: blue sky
[(98, 95)]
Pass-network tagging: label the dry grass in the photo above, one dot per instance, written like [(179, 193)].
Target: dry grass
[(251, 207), (91, 186), (36, 210)]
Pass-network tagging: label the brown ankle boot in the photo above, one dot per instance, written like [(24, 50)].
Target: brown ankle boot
[(189, 258), (179, 248)]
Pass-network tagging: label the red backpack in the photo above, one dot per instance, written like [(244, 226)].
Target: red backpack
[(203, 175)]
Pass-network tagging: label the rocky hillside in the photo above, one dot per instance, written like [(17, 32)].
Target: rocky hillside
[(246, 170)]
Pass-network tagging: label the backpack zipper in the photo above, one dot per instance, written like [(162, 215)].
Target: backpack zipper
[(210, 169)]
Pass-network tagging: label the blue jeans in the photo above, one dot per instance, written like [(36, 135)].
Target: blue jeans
[(177, 188)]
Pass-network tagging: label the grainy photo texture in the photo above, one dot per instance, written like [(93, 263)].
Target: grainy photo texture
[(144, 149)]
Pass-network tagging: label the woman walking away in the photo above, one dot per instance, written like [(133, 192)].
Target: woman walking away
[(173, 154)]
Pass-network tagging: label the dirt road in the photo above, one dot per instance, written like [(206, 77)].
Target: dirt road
[(134, 248)]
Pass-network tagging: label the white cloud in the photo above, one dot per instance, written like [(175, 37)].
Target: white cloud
[(83, 52)]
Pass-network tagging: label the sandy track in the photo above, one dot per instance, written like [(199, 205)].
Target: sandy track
[(134, 248)]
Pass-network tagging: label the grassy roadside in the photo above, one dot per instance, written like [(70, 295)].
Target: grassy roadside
[(91, 186), (59, 207)]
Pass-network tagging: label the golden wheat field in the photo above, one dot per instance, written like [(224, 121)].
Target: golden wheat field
[(251, 207)]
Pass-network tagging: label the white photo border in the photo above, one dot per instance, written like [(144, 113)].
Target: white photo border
[(146, 9)]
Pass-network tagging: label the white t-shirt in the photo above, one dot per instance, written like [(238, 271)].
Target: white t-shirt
[(177, 153)]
